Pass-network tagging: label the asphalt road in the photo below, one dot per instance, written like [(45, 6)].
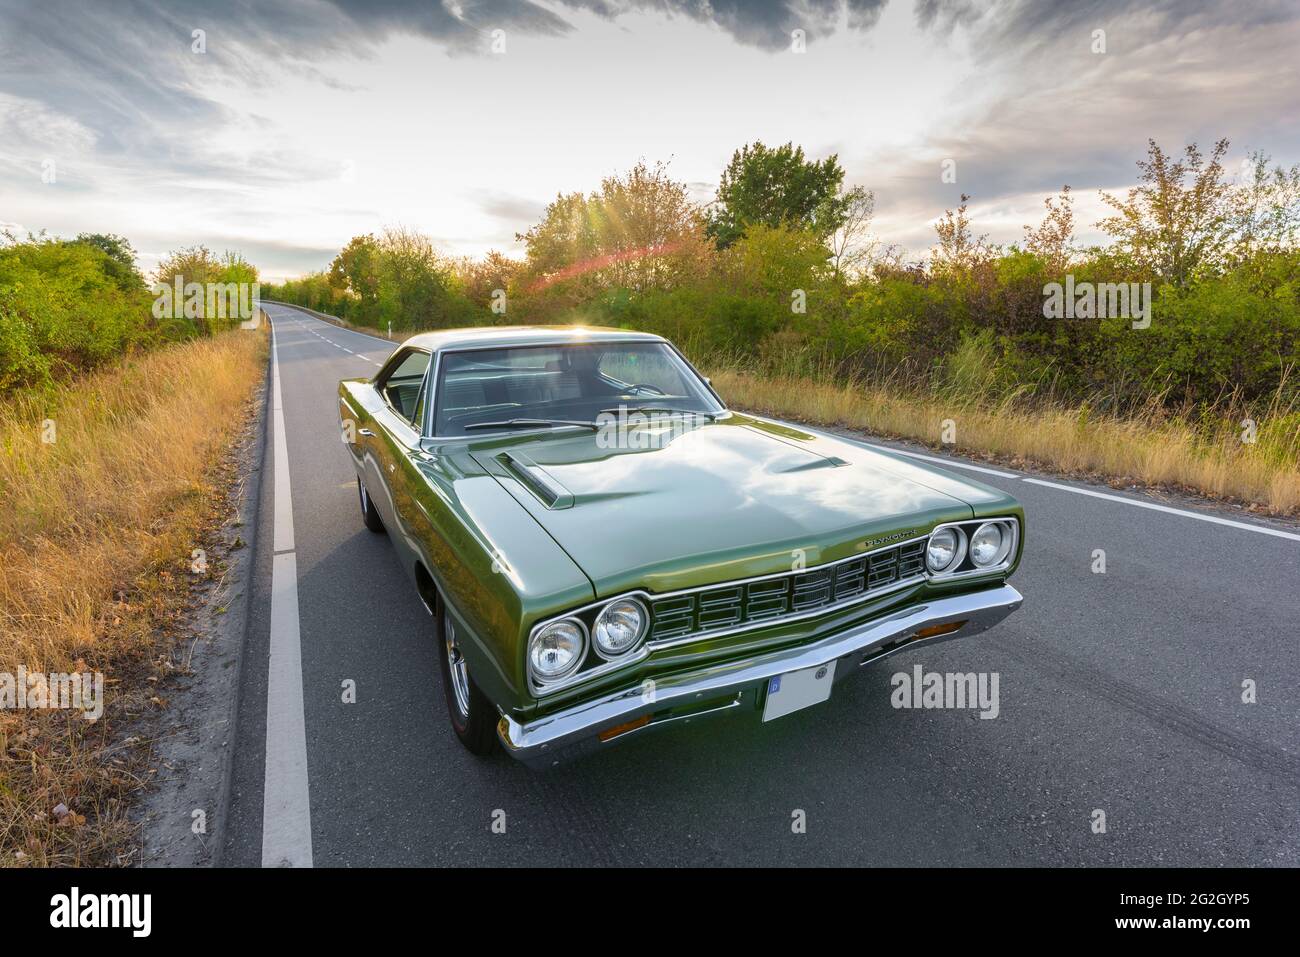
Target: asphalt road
[(1119, 692)]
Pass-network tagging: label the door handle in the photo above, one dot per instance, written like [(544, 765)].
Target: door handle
[(366, 432)]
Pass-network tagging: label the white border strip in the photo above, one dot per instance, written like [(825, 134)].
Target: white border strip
[(1200, 517), (286, 796), (951, 463), (283, 540), (1167, 509)]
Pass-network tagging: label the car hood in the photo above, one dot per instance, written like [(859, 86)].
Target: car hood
[(717, 501)]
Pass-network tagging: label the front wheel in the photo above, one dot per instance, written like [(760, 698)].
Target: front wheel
[(369, 514), (472, 716)]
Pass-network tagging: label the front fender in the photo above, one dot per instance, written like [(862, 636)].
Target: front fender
[(497, 570)]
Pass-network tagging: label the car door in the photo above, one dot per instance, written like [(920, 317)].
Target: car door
[(401, 386)]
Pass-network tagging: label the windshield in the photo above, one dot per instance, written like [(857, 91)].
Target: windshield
[(573, 382)]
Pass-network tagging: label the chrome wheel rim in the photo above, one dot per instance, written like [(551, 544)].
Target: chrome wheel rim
[(456, 667)]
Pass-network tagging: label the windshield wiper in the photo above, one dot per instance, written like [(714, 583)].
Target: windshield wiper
[(657, 409), (529, 424)]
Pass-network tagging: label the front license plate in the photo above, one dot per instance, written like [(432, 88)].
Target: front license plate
[(798, 689)]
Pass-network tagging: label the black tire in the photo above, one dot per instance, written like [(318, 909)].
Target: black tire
[(474, 720), (369, 514)]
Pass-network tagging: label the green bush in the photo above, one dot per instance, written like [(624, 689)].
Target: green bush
[(1232, 333), (65, 307)]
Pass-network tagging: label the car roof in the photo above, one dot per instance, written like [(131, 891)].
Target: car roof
[(503, 336)]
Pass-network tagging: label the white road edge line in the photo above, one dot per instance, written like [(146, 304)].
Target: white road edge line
[(942, 461), (1166, 508), (1169, 509), (286, 800)]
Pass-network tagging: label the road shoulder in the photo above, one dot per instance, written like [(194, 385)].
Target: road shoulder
[(182, 817)]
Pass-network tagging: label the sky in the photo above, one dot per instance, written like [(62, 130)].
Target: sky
[(286, 128)]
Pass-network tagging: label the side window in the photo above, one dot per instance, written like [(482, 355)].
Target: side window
[(401, 385)]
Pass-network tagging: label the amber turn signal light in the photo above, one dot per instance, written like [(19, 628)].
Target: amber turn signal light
[(935, 630), (610, 733)]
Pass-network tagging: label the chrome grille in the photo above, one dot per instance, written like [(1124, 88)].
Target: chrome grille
[(725, 607)]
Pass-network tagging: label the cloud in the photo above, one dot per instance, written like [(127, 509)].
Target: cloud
[(768, 24), (149, 135), (1045, 110), (128, 74), (1017, 27), (511, 209), (765, 24)]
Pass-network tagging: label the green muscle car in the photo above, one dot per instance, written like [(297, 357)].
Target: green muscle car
[(606, 549)]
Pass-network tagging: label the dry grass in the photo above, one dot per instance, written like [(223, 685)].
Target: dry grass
[(1150, 449), (96, 534)]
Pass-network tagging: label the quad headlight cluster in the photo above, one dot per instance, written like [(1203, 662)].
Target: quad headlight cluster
[(557, 649), (970, 547)]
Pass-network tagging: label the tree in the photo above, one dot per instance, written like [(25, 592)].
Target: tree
[(355, 271), (218, 277), (1266, 208), (852, 246), (772, 262), (414, 281), (191, 264), (639, 231), (958, 247), (1178, 220), (1053, 239), (120, 265), (649, 228), (235, 268), (777, 187), (564, 238), (481, 278)]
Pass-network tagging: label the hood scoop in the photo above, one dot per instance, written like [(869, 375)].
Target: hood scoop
[(833, 462), (548, 489), (715, 503)]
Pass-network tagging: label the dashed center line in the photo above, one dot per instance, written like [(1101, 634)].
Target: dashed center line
[(306, 328)]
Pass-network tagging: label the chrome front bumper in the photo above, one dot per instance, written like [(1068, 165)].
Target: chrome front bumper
[(720, 688)]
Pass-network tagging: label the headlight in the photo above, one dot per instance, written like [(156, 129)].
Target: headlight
[(946, 550), (619, 627), (990, 544), (556, 650)]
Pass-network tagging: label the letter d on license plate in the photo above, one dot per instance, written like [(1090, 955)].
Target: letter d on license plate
[(798, 689)]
